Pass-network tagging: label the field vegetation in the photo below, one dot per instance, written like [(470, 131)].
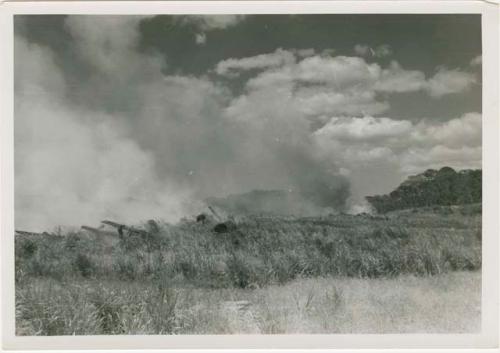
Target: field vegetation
[(446, 303), (280, 274)]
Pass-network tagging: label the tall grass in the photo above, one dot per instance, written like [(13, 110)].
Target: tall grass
[(406, 304), (371, 274), (263, 250)]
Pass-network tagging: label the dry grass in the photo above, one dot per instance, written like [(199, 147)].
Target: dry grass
[(448, 303), (342, 273), (262, 250)]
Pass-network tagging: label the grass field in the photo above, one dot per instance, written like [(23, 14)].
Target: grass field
[(410, 271), (407, 304)]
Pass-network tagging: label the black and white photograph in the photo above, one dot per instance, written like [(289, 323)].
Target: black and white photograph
[(232, 174)]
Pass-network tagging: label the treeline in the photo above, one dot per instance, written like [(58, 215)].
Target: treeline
[(442, 187)]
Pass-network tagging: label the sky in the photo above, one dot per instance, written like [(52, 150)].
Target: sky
[(139, 117)]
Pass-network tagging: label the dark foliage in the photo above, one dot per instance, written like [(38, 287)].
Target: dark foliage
[(444, 187), (221, 228), (201, 218), (83, 265)]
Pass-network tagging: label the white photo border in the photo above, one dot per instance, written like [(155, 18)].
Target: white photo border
[(488, 338)]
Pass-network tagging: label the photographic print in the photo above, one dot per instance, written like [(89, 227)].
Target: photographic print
[(247, 174)]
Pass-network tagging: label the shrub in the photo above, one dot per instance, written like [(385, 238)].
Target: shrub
[(28, 248), (84, 265)]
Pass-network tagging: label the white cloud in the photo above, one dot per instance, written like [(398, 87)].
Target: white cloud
[(326, 85), (411, 146), (339, 71), (200, 38), (377, 52), (383, 50), (316, 101), (287, 99), (364, 129), (380, 152), (231, 67), (293, 96), (362, 49), (211, 22), (419, 159), (303, 53), (462, 131), (449, 81), (320, 85), (397, 79), (328, 52)]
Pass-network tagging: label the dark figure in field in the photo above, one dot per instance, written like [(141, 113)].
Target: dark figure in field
[(153, 226), (120, 230), (221, 228), (201, 218)]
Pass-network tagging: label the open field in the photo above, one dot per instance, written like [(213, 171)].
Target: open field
[(259, 251), (406, 304), (409, 271)]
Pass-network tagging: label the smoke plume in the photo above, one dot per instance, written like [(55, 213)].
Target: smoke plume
[(130, 143)]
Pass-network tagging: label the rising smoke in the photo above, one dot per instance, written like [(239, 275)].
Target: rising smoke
[(129, 143)]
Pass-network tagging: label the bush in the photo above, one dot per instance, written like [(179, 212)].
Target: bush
[(28, 248), (84, 265)]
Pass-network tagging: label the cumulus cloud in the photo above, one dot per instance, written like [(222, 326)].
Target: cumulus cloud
[(396, 79), (324, 84), (340, 71), (206, 23), (383, 50), (460, 158), (369, 147), (376, 153), (362, 49), (309, 52), (303, 95), (365, 129), (320, 85), (401, 136), (377, 52), (318, 101), (456, 133), (211, 22), (449, 81), (232, 66), (285, 67)]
